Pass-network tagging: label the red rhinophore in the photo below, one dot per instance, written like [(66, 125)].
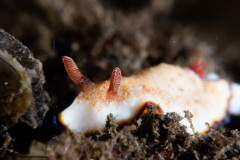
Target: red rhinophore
[(114, 84), (199, 67), (77, 77)]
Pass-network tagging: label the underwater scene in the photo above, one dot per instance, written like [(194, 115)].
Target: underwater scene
[(102, 79)]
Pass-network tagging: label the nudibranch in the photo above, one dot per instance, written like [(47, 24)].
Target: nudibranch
[(173, 88)]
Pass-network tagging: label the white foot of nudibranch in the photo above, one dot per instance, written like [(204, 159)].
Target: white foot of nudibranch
[(234, 104), (234, 107)]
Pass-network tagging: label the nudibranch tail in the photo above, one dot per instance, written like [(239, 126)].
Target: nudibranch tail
[(199, 68), (114, 84), (77, 77)]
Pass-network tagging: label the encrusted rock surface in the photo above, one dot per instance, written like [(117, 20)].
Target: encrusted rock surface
[(22, 95)]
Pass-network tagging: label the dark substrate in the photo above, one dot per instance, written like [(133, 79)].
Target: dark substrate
[(158, 137)]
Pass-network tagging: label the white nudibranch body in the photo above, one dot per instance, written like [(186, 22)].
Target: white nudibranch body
[(173, 88)]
